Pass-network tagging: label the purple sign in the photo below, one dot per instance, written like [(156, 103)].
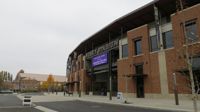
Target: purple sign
[(99, 60)]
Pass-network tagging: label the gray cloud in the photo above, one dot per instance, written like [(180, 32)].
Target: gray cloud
[(38, 35)]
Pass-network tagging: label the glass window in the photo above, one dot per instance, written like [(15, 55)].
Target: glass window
[(196, 70), (191, 30), (167, 39), (139, 69), (124, 50), (154, 43), (196, 62), (138, 47)]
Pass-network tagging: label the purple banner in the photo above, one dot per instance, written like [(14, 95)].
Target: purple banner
[(99, 60)]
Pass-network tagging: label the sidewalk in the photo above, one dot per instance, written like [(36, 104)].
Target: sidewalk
[(164, 104), (47, 97)]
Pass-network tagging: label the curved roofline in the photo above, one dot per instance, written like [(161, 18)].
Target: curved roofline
[(115, 21)]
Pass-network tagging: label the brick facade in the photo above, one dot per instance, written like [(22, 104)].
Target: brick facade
[(153, 63)]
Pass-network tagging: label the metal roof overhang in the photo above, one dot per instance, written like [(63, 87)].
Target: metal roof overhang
[(130, 21)]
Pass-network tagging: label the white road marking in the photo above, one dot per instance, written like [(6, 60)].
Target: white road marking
[(44, 109), (12, 107)]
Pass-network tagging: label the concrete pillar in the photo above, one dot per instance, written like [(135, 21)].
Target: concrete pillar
[(161, 54)]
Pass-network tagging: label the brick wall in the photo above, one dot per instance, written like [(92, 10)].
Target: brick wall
[(176, 57), (149, 61)]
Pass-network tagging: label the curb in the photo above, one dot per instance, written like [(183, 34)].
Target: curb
[(138, 106)]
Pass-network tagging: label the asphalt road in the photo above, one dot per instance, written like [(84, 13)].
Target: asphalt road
[(24, 109), (10, 103), (9, 100), (80, 106)]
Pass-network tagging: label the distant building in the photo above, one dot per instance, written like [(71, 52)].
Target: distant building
[(33, 82)]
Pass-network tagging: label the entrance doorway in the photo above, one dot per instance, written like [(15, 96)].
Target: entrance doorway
[(139, 81), (100, 84), (140, 87)]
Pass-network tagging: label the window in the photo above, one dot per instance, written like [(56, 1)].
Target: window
[(124, 50), (154, 43), (191, 30), (196, 71), (167, 39), (138, 47), (196, 62), (139, 69)]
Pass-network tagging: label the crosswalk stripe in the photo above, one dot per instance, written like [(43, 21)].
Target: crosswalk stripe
[(44, 109)]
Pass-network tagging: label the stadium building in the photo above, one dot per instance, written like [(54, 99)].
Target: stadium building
[(138, 53)]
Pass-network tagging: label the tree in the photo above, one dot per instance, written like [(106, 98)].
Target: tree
[(1, 80), (50, 79), (50, 82), (44, 86), (188, 54), (5, 80)]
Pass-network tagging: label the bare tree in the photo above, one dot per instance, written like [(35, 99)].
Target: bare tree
[(189, 51)]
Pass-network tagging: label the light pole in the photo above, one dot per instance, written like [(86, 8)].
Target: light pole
[(80, 88), (175, 89)]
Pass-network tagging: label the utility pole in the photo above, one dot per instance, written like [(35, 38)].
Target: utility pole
[(189, 63)]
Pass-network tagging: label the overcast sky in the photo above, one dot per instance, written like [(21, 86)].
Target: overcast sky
[(38, 35)]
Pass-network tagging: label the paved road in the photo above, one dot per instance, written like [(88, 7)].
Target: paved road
[(9, 100), (18, 109), (80, 106), (10, 103)]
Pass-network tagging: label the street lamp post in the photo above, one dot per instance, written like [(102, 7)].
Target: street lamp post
[(175, 89), (80, 88), (110, 75)]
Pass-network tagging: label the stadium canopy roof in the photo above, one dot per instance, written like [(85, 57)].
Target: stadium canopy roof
[(127, 22)]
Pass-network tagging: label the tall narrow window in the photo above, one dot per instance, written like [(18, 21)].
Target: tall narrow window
[(191, 31), (167, 39), (196, 70), (138, 47), (125, 51), (154, 43)]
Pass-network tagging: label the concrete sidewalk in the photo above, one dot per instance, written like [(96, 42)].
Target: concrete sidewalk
[(47, 97), (164, 104)]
